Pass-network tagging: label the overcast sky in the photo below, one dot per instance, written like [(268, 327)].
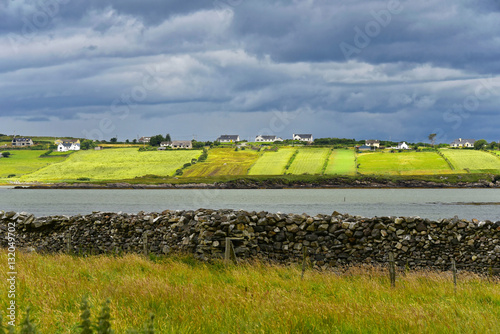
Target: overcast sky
[(395, 70)]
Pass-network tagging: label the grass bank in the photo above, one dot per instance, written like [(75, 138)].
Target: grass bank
[(188, 296)]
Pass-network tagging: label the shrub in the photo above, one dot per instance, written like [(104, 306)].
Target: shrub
[(5, 154)]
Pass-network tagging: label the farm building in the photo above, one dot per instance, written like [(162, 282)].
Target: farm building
[(144, 140), (176, 144), (403, 146), (267, 139), (365, 148), (22, 142), (69, 145), (228, 139), (463, 143), (372, 143), (303, 137)]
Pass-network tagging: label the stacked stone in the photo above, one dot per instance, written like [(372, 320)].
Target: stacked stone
[(328, 240)]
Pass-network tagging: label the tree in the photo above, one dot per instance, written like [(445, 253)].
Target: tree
[(87, 144), (113, 140), (5, 154), (493, 145), (127, 141), (480, 144), (156, 140), (432, 138), (134, 141), (167, 137)]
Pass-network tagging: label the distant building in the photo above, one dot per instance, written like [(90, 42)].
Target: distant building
[(463, 143), (303, 137), (176, 144), (403, 146), (66, 145), (98, 148), (228, 139), (267, 139), (365, 148), (144, 140), (372, 143), (22, 142)]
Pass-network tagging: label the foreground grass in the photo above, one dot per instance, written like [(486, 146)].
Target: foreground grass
[(192, 297), (22, 162), (341, 162), (404, 163), (473, 160), (114, 164)]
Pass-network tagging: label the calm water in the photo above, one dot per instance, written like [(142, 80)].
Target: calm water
[(428, 203)]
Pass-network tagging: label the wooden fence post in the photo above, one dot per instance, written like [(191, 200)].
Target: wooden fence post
[(454, 270), (145, 244), (304, 258), (229, 255), (392, 270)]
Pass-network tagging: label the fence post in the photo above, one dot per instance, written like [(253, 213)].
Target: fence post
[(304, 259), (229, 254), (392, 270), (454, 270), (145, 244), (68, 242)]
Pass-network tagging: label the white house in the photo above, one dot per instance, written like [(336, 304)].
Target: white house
[(144, 140), (22, 142), (66, 146), (372, 143), (463, 143), (403, 146), (303, 137), (267, 139), (177, 144), (228, 139)]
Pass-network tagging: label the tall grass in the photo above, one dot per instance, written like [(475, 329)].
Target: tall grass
[(187, 296)]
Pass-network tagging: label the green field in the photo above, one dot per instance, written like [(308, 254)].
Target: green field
[(224, 161), (405, 163), (22, 162), (341, 162), (272, 163), (187, 296), (114, 164), (309, 161), (473, 160)]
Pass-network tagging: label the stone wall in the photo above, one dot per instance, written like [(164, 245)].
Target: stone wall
[(331, 240)]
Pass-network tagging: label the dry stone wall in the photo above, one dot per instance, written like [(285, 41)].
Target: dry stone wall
[(330, 240)]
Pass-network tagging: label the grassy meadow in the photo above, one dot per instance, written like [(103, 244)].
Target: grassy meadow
[(341, 162), (21, 162), (187, 296), (114, 164), (272, 163), (473, 160), (404, 163), (309, 161), (223, 161)]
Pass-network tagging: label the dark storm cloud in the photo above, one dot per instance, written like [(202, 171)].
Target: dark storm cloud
[(366, 68)]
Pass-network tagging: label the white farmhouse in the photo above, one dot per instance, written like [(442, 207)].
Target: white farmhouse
[(267, 139), (303, 137), (403, 146), (66, 145)]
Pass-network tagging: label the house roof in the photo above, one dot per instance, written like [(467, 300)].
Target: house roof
[(364, 147), (372, 141), (303, 135), (228, 137), (66, 144), (266, 137), (21, 139), (463, 141)]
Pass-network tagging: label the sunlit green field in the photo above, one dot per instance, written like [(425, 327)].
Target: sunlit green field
[(224, 161), (309, 161), (187, 296), (114, 164), (272, 163), (341, 162), (472, 159), (22, 162), (405, 163)]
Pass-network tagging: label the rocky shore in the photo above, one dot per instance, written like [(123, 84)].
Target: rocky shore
[(278, 183), (327, 240)]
